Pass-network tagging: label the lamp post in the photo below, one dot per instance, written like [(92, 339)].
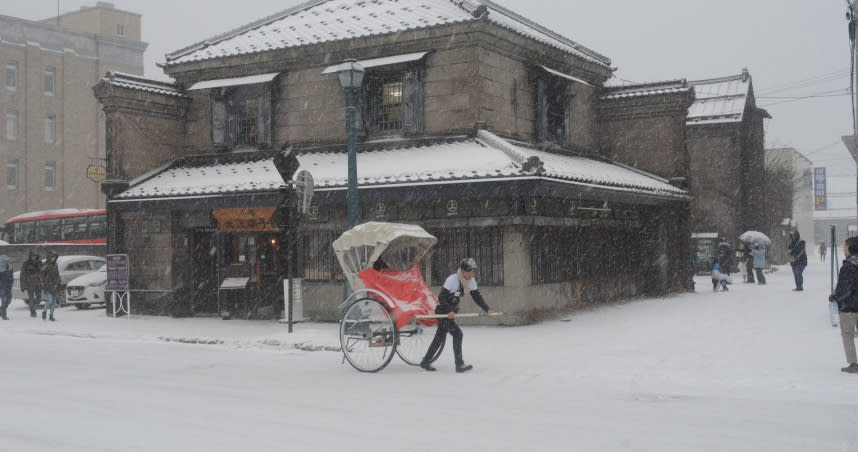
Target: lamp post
[(351, 74)]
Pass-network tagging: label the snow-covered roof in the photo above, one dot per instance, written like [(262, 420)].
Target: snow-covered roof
[(719, 100), (204, 176), (322, 21), (136, 82), (482, 158), (645, 89)]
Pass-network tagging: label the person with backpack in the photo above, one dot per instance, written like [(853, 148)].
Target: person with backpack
[(51, 284), (846, 296), (797, 259), (448, 303)]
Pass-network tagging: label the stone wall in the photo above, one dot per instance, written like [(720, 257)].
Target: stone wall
[(647, 132), (716, 184)]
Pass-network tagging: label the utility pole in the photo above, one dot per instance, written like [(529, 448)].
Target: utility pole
[(852, 17)]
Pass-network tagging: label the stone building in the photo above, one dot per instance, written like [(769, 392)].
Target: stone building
[(52, 126), (494, 133), (726, 151)]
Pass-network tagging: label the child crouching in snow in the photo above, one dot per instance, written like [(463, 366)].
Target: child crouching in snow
[(719, 279)]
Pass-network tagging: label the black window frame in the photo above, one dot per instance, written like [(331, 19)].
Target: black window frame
[(370, 100), (553, 108), (229, 116), (484, 244)]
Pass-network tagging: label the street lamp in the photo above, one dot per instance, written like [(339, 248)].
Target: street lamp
[(351, 74)]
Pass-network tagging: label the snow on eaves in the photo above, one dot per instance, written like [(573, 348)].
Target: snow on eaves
[(484, 158), (139, 83), (323, 21)]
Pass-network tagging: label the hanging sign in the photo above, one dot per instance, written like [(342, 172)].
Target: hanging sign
[(96, 173), (820, 200), (245, 219)]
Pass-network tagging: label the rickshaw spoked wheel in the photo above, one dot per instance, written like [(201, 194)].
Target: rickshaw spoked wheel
[(414, 341), (367, 335)]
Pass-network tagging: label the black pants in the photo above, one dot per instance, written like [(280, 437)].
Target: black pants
[(760, 277), (446, 326)]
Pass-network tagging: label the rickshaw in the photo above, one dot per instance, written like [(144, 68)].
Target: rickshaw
[(391, 307)]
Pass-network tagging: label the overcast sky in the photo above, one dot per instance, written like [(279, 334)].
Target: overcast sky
[(793, 48)]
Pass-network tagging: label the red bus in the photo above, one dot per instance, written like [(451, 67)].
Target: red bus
[(82, 226)]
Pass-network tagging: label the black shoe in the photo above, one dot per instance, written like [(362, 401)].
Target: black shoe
[(427, 366), (4, 317), (32, 313), (797, 289), (52, 318), (44, 314), (851, 368), (464, 368)]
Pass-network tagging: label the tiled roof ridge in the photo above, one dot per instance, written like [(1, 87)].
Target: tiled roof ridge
[(727, 78), (243, 28), (643, 86), (581, 48), (114, 75), (197, 160)]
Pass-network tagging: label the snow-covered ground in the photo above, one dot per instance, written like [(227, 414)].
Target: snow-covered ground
[(753, 369)]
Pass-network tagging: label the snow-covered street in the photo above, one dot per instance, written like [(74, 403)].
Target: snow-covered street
[(752, 369)]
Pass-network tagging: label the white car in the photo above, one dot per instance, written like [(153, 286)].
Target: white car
[(87, 289), (70, 267)]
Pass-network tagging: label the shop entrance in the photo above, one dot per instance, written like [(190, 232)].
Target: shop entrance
[(204, 268), (255, 256)]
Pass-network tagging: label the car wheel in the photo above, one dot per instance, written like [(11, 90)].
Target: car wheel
[(82, 305), (61, 297)]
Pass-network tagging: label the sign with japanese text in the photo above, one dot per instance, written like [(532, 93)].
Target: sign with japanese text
[(117, 272), (245, 219), (820, 200)]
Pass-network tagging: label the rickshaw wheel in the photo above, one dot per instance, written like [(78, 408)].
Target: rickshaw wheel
[(367, 335), (414, 341)]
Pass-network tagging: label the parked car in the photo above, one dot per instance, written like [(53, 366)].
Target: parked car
[(70, 267), (87, 289)]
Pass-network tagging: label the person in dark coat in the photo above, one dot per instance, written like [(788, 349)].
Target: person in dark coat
[(759, 262), (725, 256), (846, 296), (31, 282), (6, 282), (51, 284), (797, 259), (448, 303)]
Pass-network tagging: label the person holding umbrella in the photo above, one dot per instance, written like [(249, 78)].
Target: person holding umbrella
[(758, 251)]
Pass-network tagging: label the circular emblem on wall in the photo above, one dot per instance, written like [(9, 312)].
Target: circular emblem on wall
[(313, 212), (380, 209), (452, 207)]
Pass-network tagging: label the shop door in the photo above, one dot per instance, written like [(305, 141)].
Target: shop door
[(204, 264)]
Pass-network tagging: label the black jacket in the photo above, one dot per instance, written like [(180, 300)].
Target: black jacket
[(797, 252), (51, 278), (6, 276), (449, 301), (846, 293)]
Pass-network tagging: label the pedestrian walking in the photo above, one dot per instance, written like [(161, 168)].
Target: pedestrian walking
[(822, 252), (759, 263), (797, 259), (51, 284), (31, 282), (846, 296), (448, 303), (6, 281)]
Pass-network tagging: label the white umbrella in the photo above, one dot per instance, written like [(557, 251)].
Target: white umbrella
[(755, 237)]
